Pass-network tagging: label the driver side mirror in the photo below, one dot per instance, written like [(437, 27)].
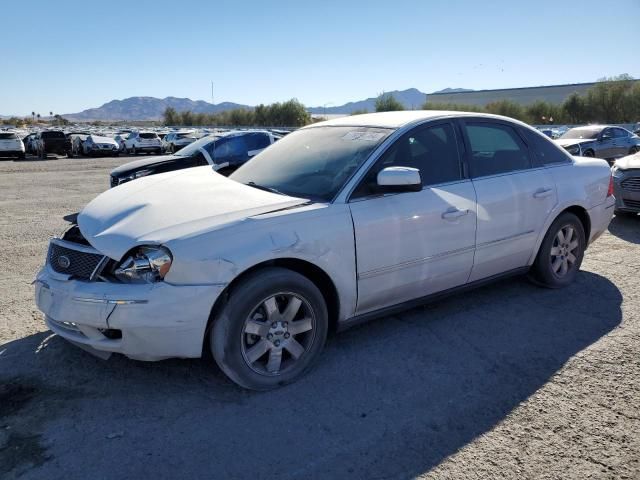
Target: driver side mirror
[(399, 179)]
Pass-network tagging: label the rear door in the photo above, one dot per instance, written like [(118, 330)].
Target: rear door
[(514, 196)]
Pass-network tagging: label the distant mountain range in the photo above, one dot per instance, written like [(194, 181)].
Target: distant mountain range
[(148, 108), (151, 108), (412, 98)]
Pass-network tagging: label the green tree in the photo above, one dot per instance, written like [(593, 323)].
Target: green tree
[(359, 111), (386, 102), (507, 108), (170, 116)]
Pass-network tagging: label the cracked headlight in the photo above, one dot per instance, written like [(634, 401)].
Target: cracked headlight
[(573, 149), (146, 264)]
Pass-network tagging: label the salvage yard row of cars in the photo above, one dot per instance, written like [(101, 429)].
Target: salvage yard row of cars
[(332, 225), (79, 143)]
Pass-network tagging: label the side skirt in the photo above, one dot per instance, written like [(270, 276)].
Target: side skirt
[(400, 307)]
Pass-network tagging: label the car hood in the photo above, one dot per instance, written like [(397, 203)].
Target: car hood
[(169, 206), (144, 162), (565, 142), (628, 162)]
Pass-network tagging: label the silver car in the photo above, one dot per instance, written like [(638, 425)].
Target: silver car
[(626, 176), (600, 141), (336, 223)]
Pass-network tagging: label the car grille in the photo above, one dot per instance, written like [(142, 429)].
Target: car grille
[(632, 184), (78, 263), (631, 203)]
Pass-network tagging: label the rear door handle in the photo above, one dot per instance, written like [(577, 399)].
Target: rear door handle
[(454, 213), (543, 193)]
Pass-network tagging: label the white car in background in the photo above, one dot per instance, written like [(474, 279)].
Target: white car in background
[(332, 225), (94, 145), (174, 141), (143, 142), (11, 145)]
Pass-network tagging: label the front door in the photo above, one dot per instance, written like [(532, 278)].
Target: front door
[(411, 244)]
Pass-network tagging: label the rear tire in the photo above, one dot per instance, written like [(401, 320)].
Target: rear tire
[(589, 153), (271, 330), (561, 253)]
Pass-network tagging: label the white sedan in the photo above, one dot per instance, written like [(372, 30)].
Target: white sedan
[(334, 224)]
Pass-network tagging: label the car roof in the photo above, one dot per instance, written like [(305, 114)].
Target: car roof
[(400, 119), (591, 127)]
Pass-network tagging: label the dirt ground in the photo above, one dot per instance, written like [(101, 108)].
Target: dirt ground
[(509, 381)]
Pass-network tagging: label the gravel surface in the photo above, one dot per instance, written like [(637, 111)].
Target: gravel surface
[(508, 381)]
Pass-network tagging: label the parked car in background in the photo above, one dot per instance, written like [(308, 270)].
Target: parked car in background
[(28, 143), (95, 145), (120, 138), (334, 224), (77, 140), (11, 145), (143, 142), (626, 176), (225, 152), (50, 141), (601, 141), (174, 141)]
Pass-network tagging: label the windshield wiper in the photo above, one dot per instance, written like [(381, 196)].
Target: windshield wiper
[(265, 188)]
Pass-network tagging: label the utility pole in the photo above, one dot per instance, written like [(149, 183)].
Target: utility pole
[(212, 102)]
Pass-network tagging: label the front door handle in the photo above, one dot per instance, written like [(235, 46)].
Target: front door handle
[(543, 193), (454, 214)]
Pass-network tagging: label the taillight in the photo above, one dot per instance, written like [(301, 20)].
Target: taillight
[(610, 191)]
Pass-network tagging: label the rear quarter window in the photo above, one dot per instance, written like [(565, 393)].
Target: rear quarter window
[(544, 151)]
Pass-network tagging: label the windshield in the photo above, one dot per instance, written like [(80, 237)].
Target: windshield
[(53, 135), (195, 147), (589, 133), (148, 135), (312, 163)]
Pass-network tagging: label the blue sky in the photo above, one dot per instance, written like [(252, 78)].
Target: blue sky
[(66, 55)]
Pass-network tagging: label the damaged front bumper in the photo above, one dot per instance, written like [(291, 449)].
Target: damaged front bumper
[(142, 321)]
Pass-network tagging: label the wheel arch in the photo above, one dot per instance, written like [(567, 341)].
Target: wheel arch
[(579, 211), (317, 275), (583, 216)]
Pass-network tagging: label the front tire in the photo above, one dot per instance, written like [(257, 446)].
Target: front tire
[(271, 330), (561, 253)]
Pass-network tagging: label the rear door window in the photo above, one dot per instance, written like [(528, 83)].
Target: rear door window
[(257, 141), (495, 149)]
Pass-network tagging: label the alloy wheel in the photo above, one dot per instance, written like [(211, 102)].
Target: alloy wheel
[(564, 251), (278, 333)]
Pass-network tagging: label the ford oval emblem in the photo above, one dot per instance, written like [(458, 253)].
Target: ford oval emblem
[(64, 261)]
